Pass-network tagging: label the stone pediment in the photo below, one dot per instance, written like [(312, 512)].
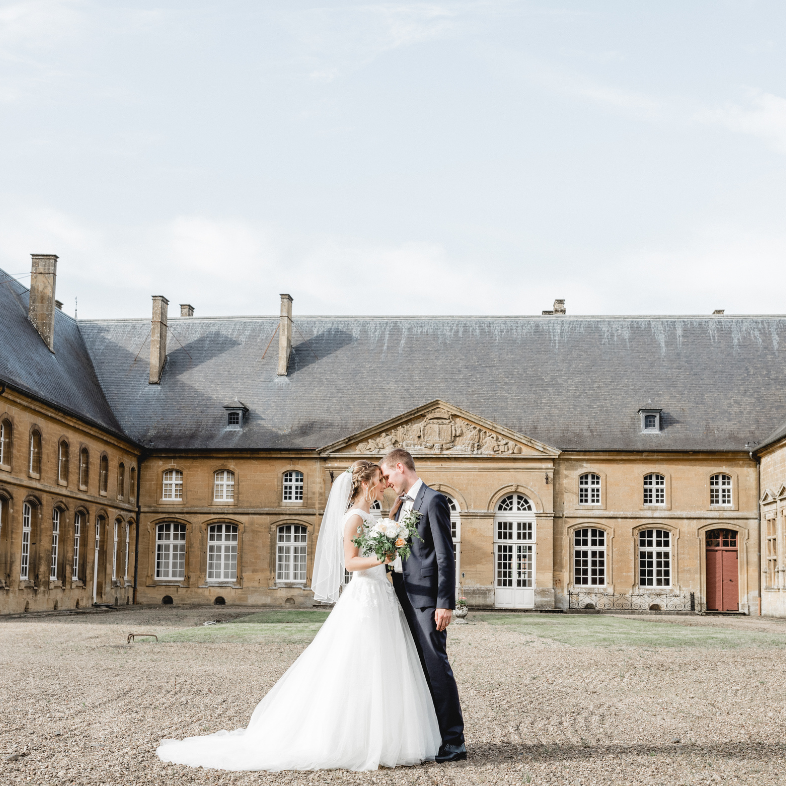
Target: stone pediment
[(440, 429), (768, 497)]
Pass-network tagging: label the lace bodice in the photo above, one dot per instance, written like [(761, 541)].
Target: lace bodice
[(378, 571)]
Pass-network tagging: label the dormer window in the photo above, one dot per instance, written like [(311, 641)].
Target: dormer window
[(236, 414), (650, 420)]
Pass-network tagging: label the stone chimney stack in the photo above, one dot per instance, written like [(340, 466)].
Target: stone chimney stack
[(186, 310), (284, 335), (158, 338), (559, 307), (42, 297)]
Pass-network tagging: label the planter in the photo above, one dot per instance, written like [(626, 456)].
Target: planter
[(459, 613)]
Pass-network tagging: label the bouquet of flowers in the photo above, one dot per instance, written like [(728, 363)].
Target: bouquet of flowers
[(388, 537)]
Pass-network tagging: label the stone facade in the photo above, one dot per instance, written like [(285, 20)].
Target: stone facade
[(42, 501), (773, 529)]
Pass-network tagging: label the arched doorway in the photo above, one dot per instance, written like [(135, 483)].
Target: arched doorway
[(514, 553), (723, 592)]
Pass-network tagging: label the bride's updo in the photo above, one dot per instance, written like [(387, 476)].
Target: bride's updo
[(362, 472)]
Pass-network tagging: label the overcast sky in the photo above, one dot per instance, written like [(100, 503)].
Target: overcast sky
[(397, 158)]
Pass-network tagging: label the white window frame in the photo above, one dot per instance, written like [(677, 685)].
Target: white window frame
[(84, 468), (35, 452), (721, 485), (293, 486), (655, 489), (234, 425), (291, 553), (121, 480), (222, 544), (114, 552), (772, 552), (27, 526), (590, 486), (455, 533), (658, 557), (77, 537), (224, 486), (103, 475), (128, 535), (594, 557), (172, 484), (4, 459), (170, 551), (55, 543)]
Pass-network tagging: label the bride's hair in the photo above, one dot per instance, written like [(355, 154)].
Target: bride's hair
[(362, 472)]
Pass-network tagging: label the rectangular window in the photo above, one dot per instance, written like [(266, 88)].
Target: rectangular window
[(62, 463), (114, 553), (128, 535), (293, 486), (772, 554), (55, 543), (173, 484), (77, 534), (720, 490), (654, 489), (27, 525), (222, 552), (655, 558), (589, 489), (224, 486), (291, 553), (171, 551), (589, 557)]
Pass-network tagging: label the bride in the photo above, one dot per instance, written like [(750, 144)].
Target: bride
[(356, 698)]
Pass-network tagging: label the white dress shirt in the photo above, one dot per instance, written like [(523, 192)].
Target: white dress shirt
[(406, 507)]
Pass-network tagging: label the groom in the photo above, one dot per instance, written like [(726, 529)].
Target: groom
[(426, 590)]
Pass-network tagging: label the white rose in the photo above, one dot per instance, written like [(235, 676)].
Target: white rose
[(377, 528), (391, 530), (403, 532)]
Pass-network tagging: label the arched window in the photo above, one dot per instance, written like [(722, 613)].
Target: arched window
[(127, 542), (589, 489), (62, 462), (224, 486), (455, 533), (6, 432), (514, 552), (376, 509), (655, 558), (35, 452), (132, 485), (114, 550), (27, 527), (55, 543), (720, 490), (170, 551), (84, 468), (654, 489), (173, 484), (291, 553), (78, 520), (100, 525), (121, 480), (103, 475), (293, 486), (589, 557), (222, 552)]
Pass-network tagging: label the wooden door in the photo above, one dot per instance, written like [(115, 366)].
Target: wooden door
[(722, 571)]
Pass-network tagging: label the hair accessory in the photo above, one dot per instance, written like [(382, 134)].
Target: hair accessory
[(349, 470)]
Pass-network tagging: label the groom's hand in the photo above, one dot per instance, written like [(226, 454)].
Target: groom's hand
[(442, 617)]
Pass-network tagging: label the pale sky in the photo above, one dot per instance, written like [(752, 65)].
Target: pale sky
[(397, 158)]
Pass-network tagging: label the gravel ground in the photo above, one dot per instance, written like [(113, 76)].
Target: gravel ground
[(548, 699)]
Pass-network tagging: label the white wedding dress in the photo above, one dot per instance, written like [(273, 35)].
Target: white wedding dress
[(355, 699)]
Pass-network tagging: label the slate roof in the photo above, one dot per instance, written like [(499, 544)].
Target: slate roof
[(65, 379), (775, 436), (575, 383)]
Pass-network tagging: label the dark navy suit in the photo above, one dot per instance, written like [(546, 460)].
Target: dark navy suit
[(428, 583)]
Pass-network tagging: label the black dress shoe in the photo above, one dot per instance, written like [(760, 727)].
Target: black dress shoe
[(451, 753)]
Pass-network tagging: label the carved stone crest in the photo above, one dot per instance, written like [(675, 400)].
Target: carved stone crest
[(439, 431)]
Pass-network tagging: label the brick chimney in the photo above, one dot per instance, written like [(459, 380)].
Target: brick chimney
[(42, 297), (158, 338), (284, 335), (186, 310)]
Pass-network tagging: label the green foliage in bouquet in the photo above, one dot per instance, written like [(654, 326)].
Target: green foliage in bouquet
[(388, 537)]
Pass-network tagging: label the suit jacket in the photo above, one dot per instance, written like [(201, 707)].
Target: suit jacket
[(429, 573)]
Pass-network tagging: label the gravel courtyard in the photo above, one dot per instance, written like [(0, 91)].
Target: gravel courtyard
[(548, 699)]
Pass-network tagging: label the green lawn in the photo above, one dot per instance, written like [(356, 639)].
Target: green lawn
[(604, 631)]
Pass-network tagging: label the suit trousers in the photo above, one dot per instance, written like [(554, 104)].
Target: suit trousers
[(431, 646)]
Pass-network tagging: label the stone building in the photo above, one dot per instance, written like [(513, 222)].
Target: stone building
[(588, 461)]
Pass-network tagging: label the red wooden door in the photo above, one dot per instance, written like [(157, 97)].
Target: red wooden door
[(722, 571)]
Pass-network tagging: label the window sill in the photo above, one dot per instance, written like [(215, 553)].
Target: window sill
[(5, 467), (102, 494), (591, 506), (222, 584), (289, 585), (288, 503), (224, 503), (63, 483), (26, 584), (655, 590), (167, 583), (34, 475), (170, 502), (77, 583), (82, 488), (56, 584)]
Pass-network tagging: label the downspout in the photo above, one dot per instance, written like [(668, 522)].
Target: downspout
[(758, 511)]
